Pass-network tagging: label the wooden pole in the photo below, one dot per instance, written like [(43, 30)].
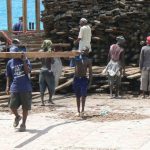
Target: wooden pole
[(9, 15), (24, 6), (37, 13)]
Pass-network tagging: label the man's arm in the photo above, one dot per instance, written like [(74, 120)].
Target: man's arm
[(79, 36), (7, 85), (109, 53), (90, 72), (26, 66), (123, 62), (141, 59), (77, 41), (8, 75)]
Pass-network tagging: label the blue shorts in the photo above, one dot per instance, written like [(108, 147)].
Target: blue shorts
[(80, 86)]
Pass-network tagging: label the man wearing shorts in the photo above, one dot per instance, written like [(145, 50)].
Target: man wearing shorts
[(17, 71), (80, 85)]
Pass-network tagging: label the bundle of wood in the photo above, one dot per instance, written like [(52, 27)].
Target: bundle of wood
[(108, 19), (100, 81)]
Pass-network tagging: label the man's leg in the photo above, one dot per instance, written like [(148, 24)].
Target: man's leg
[(144, 82), (77, 90), (118, 86), (23, 125), (24, 114), (50, 98), (17, 117), (42, 99), (111, 82), (83, 102), (50, 81), (148, 83), (78, 104), (42, 86), (111, 91), (14, 104), (26, 100), (143, 94), (84, 88), (15, 112)]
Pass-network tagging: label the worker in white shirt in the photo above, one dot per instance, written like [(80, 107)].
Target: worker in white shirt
[(84, 37)]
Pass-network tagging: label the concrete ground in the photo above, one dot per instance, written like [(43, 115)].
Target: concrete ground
[(125, 125)]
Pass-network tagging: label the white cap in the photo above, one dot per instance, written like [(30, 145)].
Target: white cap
[(15, 41), (83, 20)]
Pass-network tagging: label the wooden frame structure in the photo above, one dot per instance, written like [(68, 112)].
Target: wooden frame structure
[(24, 9)]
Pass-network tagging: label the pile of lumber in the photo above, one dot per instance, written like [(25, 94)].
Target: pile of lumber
[(108, 19), (100, 80)]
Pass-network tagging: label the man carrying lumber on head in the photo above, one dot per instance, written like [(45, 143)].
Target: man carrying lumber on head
[(17, 71), (81, 83), (116, 67), (145, 67), (46, 76)]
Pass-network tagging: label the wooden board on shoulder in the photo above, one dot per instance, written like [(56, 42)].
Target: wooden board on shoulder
[(68, 54)]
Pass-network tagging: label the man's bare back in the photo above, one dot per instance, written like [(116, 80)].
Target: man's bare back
[(82, 67)]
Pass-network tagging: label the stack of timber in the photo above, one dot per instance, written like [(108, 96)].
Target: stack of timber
[(99, 84), (108, 19)]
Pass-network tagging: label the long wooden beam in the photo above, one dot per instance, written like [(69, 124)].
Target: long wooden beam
[(68, 54), (37, 13), (9, 15), (24, 6), (65, 45)]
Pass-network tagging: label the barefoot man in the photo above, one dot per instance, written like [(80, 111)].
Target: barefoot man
[(46, 76), (81, 83)]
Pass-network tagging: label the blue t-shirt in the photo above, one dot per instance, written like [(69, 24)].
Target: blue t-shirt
[(15, 48), (18, 26), (20, 80)]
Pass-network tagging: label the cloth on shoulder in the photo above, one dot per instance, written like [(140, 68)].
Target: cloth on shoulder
[(47, 45)]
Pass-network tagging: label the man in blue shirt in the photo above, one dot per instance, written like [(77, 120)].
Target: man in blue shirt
[(18, 26), (17, 71)]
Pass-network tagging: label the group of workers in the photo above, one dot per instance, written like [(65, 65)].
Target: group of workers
[(18, 70)]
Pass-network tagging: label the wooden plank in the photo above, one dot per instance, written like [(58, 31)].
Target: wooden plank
[(134, 71), (63, 86), (9, 15), (24, 6), (138, 75), (33, 45), (68, 54), (37, 13)]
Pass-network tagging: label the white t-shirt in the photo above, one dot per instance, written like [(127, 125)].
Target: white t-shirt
[(85, 35)]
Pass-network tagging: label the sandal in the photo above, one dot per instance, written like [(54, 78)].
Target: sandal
[(16, 121), (22, 128)]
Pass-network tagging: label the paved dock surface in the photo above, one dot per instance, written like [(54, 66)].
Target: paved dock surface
[(46, 131)]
